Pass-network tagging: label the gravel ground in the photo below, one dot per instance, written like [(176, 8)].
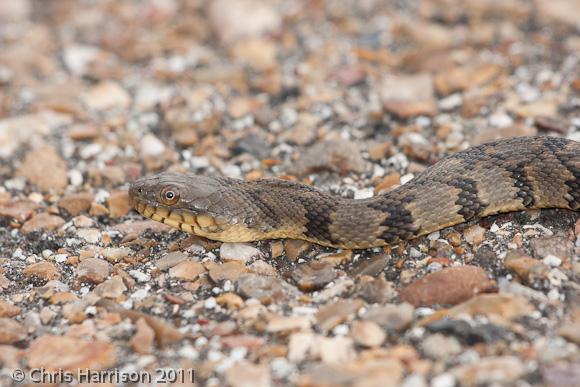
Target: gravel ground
[(353, 97)]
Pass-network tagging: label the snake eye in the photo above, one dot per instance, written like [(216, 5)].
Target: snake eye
[(169, 195)]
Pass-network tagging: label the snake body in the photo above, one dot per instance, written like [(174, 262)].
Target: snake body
[(501, 176)]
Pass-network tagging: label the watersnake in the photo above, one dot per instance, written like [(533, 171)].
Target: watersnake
[(501, 176)]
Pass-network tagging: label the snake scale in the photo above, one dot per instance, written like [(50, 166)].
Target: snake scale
[(500, 176)]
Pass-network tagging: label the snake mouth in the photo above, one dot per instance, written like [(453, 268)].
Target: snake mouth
[(178, 218)]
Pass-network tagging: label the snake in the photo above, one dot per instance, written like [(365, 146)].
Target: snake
[(506, 175)]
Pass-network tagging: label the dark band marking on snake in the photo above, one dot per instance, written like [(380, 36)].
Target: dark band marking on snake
[(501, 176), (319, 220), (398, 225), (467, 199), (523, 182)]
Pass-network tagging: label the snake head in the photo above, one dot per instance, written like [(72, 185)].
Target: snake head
[(187, 201), (177, 191)]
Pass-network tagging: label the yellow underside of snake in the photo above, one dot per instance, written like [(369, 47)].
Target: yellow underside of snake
[(501, 176)]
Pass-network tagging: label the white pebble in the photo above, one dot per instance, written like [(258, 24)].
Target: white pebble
[(101, 196), (538, 226), (552, 260), (188, 352), (232, 171), (91, 235), (423, 121), (454, 139), (16, 184), (201, 341), (17, 254), (90, 151), (500, 120), (78, 57), (434, 236), (443, 380), (210, 303), (46, 253), (340, 330), (281, 367), (556, 277), (238, 353), (554, 294), (75, 178), (140, 294), (214, 356), (414, 253), (435, 266), (36, 197), (142, 362), (151, 146), (407, 178), (198, 162), (527, 92), (5, 74), (238, 252), (186, 154), (378, 171), (451, 102), (140, 276), (414, 380), (60, 258), (363, 193), (416, 138), (398, 161)]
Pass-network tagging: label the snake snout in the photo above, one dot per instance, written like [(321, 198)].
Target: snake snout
[(135, 192), (135, 188), (142, 190)]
